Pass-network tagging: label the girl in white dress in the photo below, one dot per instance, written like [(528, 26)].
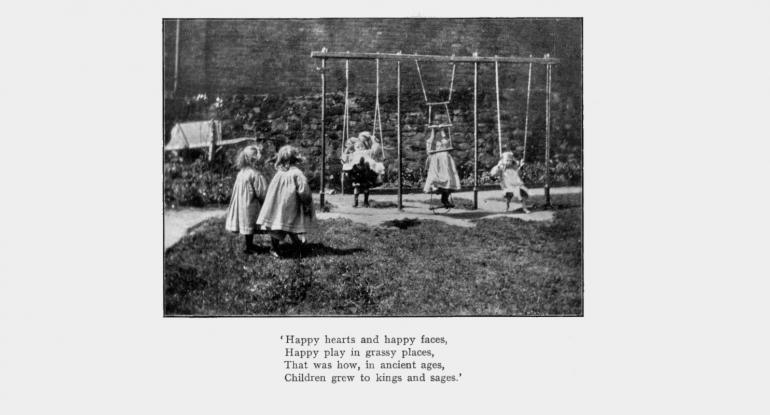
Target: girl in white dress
[(288, 208), (360, 164), (248, 195), (507, 170), (442, 172)]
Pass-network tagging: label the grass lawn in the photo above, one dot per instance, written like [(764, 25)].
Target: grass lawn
[(503, 266)]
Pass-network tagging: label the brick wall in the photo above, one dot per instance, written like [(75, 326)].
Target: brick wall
[(273, 55)]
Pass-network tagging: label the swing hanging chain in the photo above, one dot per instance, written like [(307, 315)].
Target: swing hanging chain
[(526, 113)]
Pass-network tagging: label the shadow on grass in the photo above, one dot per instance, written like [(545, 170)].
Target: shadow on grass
[(402, 223), (383, 205), (314, 249), (459, 202)]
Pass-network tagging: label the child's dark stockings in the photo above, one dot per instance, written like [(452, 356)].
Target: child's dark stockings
[(248, 244)]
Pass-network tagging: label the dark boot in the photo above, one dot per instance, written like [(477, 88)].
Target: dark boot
[(274, 243), (366, 198), (248, 245), (508, 197), (445, 199), (297, 244)]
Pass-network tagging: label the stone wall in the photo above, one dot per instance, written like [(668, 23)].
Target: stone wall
[(276, 121)]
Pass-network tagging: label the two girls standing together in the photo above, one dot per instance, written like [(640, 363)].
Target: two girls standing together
[(283, 208)]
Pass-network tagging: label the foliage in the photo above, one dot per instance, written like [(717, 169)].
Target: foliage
[(192, 181), (196, 184), (200, 183)]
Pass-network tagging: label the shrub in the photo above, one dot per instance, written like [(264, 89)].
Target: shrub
[(191, 180)]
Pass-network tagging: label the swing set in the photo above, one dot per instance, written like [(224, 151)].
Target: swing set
[(376, 121), (546, 60)]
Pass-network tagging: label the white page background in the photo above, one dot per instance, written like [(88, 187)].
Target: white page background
[(676, 98)]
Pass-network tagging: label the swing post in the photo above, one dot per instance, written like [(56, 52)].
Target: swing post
[(345, 132), (548, 136), (321, 200), (398, 133), (497, 96), (176, 59), (475, 136)]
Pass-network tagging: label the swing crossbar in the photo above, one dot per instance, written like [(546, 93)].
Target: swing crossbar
[(434, 58)]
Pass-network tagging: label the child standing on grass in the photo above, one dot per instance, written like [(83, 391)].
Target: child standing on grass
[(442, 172), (288, 208), (507, 170), (248, 195)]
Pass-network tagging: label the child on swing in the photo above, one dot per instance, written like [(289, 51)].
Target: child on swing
[(442, 172), (360, 165), (507, 170), (288, 208), (248, 195)]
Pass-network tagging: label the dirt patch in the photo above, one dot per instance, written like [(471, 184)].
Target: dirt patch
[(179, 222)]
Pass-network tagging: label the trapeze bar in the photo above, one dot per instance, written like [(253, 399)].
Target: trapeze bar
[(430, 104), (438, 125), (440, 58)]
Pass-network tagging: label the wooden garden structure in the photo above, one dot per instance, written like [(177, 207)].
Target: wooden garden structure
[(476, 60)]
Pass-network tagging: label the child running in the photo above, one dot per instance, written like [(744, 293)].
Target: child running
[(507, 170), (288, 208), (442, 172), (360, 164), (248, 195)]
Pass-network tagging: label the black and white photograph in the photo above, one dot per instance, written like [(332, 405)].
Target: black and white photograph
[(401, 207), (373, 167)]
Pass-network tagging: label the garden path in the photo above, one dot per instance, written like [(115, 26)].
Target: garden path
[(178, 222)]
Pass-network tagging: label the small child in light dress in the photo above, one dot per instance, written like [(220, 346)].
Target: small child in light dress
[(360, 164), (288, 208), (442, 172), (248, 195), (507, 170)]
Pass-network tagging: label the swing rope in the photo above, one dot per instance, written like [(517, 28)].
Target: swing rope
[(419, 74), (430, 105), (377, 122), (452, 82), (526, 113)]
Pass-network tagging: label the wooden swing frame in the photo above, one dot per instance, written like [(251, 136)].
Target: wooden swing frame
[(546, 60)]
